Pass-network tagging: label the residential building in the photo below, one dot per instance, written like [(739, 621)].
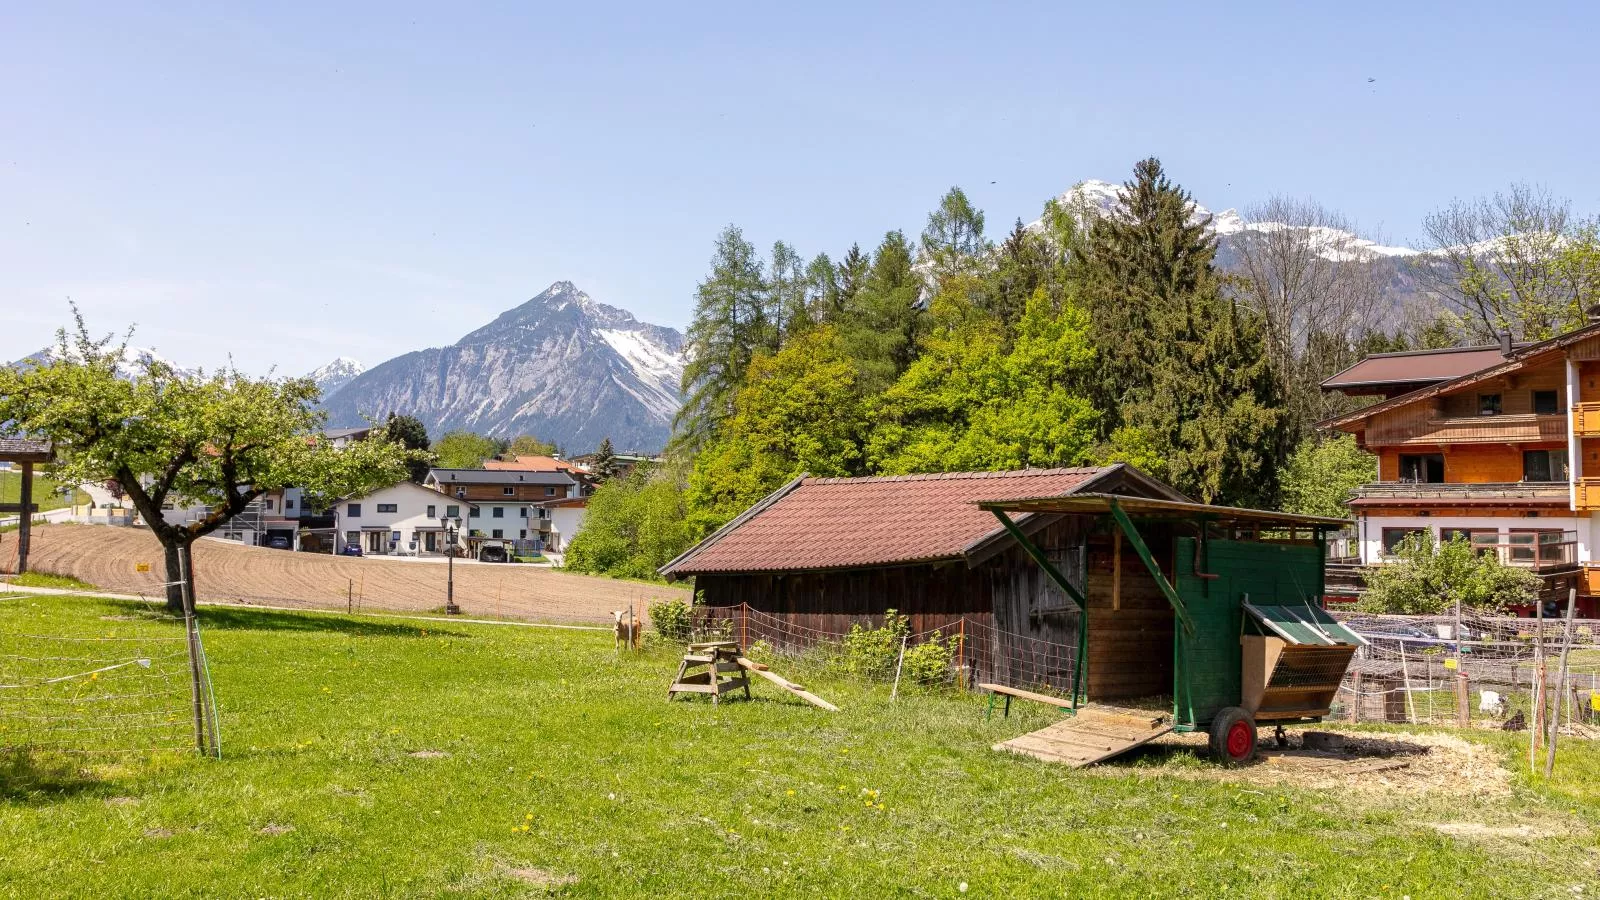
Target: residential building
[(622, 464), (343, 437), (399, 520), (1497, 454), (505, 503), (566, 517)]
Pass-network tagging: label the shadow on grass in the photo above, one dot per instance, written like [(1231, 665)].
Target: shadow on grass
[(34, 778), (246, 619)]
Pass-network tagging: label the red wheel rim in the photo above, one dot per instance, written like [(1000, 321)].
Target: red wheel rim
[(1240, 739)]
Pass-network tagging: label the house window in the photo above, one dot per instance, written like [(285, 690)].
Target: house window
[(472, 512), (394, 537), (1482, 541), (509, 492), (1422, 468), (1529, 546), (431, 512), (288, 503), (499, 512), (1488, 404), (549, 492), (353, 537), (453, 512), (1544, 465), (388, 507), (522, 535), (523, 513), (1394, 537), (1545, 403), (353, 510), (498, 533), (269, 504)]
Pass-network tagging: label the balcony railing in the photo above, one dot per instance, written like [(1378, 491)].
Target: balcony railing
[(1586, 419), (1514, 490)]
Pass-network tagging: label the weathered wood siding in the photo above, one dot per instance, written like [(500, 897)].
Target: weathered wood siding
[(1130, 620)]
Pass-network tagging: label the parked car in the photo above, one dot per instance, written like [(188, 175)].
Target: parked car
[(350, 549), (279, 542), (493, 553)]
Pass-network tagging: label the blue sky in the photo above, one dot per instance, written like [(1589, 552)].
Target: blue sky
[(289, 183)]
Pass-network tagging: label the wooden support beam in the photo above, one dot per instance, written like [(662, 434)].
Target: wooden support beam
[(1116, 569), (1139, 547), (25, 528)]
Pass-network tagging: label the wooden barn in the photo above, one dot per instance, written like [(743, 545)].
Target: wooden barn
[(824, 553)]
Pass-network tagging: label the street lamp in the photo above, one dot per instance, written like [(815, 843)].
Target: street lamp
[(451, 528)]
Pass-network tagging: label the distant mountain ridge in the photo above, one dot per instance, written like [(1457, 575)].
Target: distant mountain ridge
[(561, 366), (335, 375)]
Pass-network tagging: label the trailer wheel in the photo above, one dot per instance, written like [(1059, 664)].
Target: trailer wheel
[(1233, 737)]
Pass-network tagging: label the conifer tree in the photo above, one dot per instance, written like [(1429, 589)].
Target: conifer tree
[(730, 325), (605, 461), (787, 292), (1181, 367), (953, 241), (852, 274), (824, 297), (883, 321)]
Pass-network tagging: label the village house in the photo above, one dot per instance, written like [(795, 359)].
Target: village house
[(504, 503), (400, 520), (566, 517), (1491, 444)]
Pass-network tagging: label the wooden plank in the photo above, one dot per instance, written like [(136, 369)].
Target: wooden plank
[(1046, 699), (787, 685)]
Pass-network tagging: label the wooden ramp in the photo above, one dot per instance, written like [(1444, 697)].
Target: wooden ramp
[(1095, 734)]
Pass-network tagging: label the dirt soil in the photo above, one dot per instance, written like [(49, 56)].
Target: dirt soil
[(1389, 764), (106, 557)]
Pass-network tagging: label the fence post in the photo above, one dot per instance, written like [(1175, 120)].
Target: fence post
[(349, 595), (1536, 692), (744, 625), (1355, 699), (1463, 704), (1561, 686), (895, 691)]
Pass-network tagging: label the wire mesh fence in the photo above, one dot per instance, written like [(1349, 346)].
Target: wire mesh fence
[(1480, 671), (883, 649), (123, 688)]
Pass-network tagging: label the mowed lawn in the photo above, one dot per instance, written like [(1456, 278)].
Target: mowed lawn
[(46, 492), (371, 757)]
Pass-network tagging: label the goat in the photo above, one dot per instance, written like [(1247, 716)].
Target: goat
[(628, 628)]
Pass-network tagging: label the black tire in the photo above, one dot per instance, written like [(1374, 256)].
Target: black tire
[(1233, 737)]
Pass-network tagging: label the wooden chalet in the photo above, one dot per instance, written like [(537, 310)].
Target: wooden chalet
[(1506, 455)]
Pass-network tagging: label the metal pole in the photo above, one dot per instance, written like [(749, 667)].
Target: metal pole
[(1561, 685)]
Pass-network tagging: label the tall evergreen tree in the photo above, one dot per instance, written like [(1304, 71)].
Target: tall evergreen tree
[(824, 297), (953, 241), (605, 461), (852, 274), (1181, 367), (882, 321), (410, 433), (730, 325), (787, 288)]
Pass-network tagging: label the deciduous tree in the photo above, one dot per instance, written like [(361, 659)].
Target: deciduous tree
[(220, 440), (465, 449)]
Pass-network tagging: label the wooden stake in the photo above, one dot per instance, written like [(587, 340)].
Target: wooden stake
[(1463, 701), (894, 691), (1561, 685), (1536, 691), (25, 518)]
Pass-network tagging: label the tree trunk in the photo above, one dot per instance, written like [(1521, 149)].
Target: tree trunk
[(179, 572)]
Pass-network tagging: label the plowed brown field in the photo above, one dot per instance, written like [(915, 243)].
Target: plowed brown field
[(107, 557)]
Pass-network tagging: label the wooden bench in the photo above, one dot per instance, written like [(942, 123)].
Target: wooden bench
[(1009, 692)]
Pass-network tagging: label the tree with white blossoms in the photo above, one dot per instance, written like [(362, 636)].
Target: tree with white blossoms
[(179, 438)]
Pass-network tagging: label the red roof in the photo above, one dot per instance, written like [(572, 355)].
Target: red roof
[(529, 464), (842, 523)]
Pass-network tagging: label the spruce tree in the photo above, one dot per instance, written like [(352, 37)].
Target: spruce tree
[(730, 325), (852, 274), (1181, 368), (882, 322), (787, 292), (605, 461)]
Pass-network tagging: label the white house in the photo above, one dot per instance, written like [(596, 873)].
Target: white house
[(566, 517), (400, 520)]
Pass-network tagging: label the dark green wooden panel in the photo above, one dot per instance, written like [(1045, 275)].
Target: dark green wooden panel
[(1208, 661)]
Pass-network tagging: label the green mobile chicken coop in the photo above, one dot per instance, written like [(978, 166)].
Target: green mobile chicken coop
[(1222, 604)]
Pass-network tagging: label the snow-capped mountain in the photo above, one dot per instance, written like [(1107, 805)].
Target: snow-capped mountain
[(561, 366), (1104, 198), (132, 364), (335, 375)]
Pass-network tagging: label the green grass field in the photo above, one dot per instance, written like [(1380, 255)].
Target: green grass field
[(45, 492), (371, 757)]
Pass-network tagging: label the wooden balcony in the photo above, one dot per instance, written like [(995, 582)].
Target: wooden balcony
[(1586, 419), (1588, 496), (1449, 491)]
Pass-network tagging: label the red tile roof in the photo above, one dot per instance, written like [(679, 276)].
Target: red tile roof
[(529, 464), (838, 523)]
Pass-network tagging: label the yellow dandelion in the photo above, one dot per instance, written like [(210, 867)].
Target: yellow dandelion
[(880, 806), (528, 817), (791, 792)]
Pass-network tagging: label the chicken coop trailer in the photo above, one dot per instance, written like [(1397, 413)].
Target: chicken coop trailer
[(1250, 642)]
